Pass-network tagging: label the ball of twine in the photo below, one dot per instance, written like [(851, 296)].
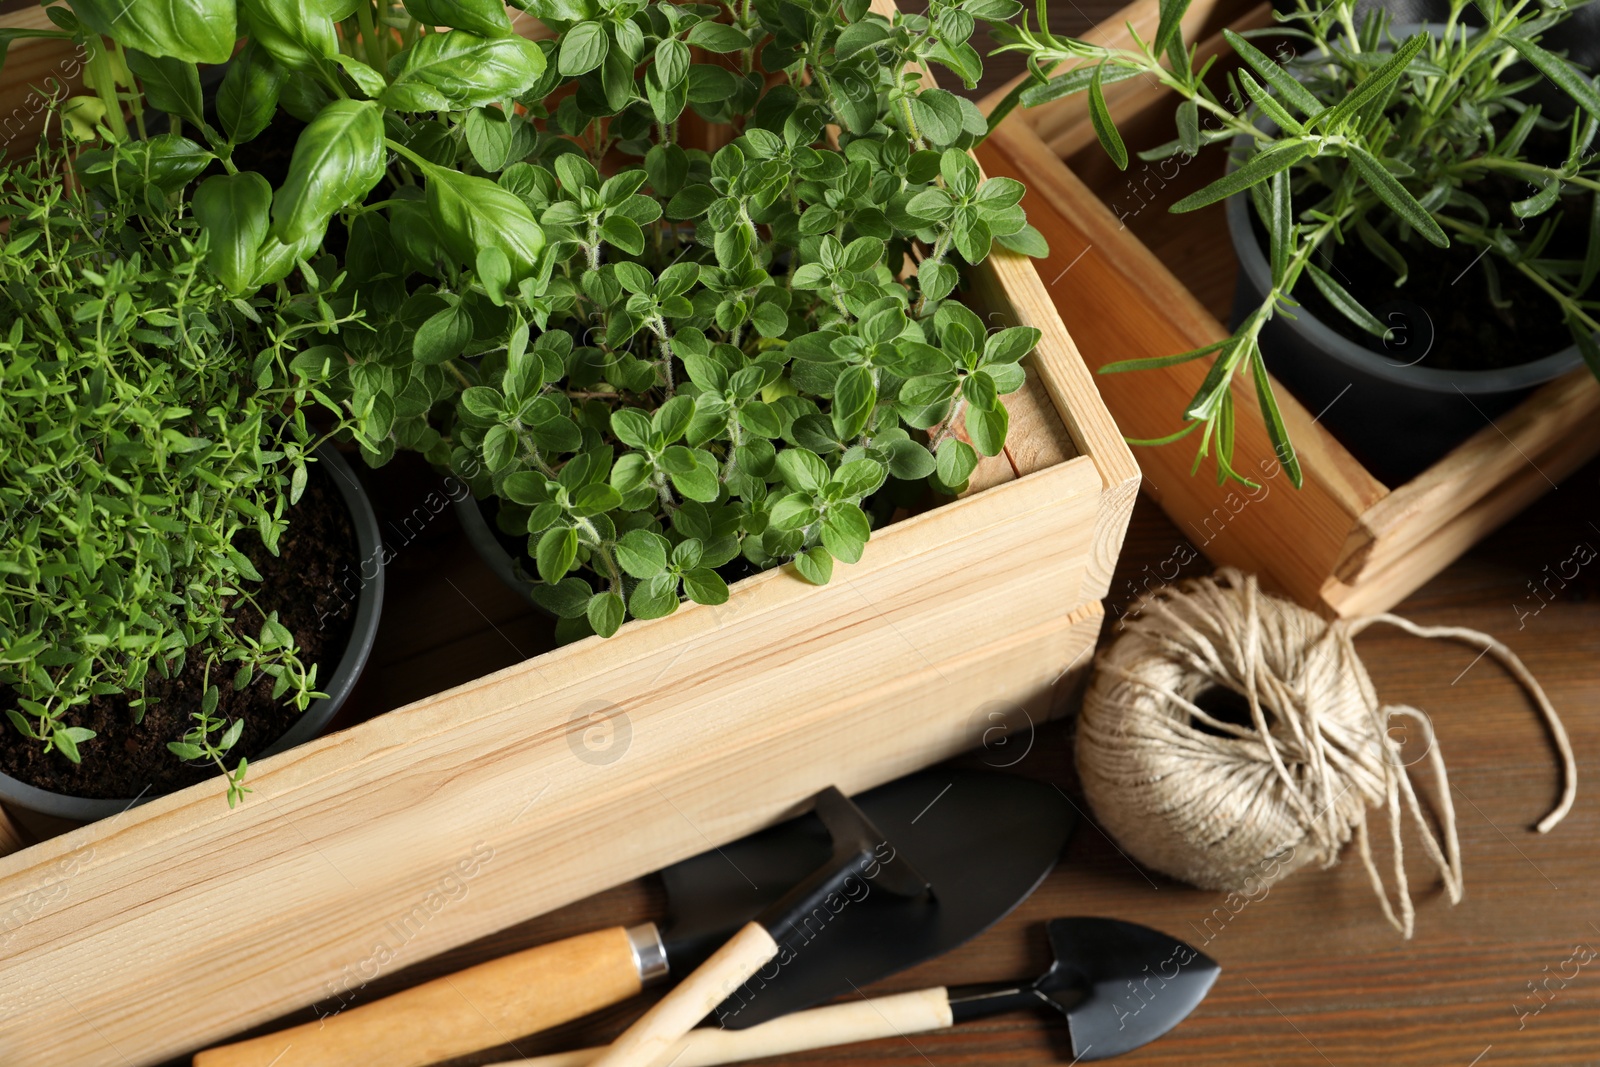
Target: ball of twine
[(1225, 806)]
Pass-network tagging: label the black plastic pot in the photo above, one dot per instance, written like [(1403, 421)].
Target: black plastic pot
[(492, 550), (369, 605), (1396, 417)]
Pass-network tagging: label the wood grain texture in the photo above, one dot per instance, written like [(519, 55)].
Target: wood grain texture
[(11, 837), (351, 837), (1430, 520), (479, 1007), (1312, 974), (736, 716)]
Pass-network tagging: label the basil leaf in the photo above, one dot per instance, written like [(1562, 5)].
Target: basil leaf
[(489, 137), (486, 18), (336, 161), (293, 32), (195, 31), (457, 70), (170, 85), (473, 213), (234, 210), (368, 80), (248, 97)]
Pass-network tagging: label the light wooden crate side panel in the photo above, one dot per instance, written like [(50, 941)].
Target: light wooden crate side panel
[(542, 856), (1119, 302), (1011, 286), (238, 917), (1538, 443), (1069, 492), (1425, 524)]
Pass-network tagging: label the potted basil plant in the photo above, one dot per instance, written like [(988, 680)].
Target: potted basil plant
[(1435, 186)]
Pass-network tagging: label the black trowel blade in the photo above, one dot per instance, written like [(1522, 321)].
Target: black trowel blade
[(1135, 983), (983, 840)]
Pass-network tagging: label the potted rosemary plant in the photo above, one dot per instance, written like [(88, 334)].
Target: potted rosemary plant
[(1417, 229)]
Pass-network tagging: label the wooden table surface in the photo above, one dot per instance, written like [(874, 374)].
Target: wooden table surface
[(1312, 974)]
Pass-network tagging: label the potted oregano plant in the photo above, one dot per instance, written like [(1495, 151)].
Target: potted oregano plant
[(657, 354), (190, 577), (1434, 185)]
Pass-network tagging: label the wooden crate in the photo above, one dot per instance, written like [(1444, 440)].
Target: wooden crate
[(180, 922), (35, 71), (1131, 279)]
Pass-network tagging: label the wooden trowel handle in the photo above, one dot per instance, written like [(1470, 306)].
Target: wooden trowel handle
[(477, 1008), (650, 1040), (853, 1021)]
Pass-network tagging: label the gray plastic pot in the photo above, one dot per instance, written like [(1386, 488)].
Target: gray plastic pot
[(1395, 417), (482, 538), (369, 604)]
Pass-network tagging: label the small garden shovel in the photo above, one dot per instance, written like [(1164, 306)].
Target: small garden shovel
[(984, 839), (1118, 984), (779, 933)]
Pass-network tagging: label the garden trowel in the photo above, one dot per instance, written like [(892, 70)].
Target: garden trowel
[(929, 861), (1119, 986)]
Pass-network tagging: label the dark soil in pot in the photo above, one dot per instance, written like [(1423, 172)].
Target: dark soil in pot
[(1446, 315), (1452, 362), (302, 583)]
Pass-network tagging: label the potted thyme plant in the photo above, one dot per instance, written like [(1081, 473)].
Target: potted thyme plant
[(1436, 187), (163, 619)]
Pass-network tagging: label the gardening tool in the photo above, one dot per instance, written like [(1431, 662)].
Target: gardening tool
[(773, 940), (1119, 985), (984, 840)]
